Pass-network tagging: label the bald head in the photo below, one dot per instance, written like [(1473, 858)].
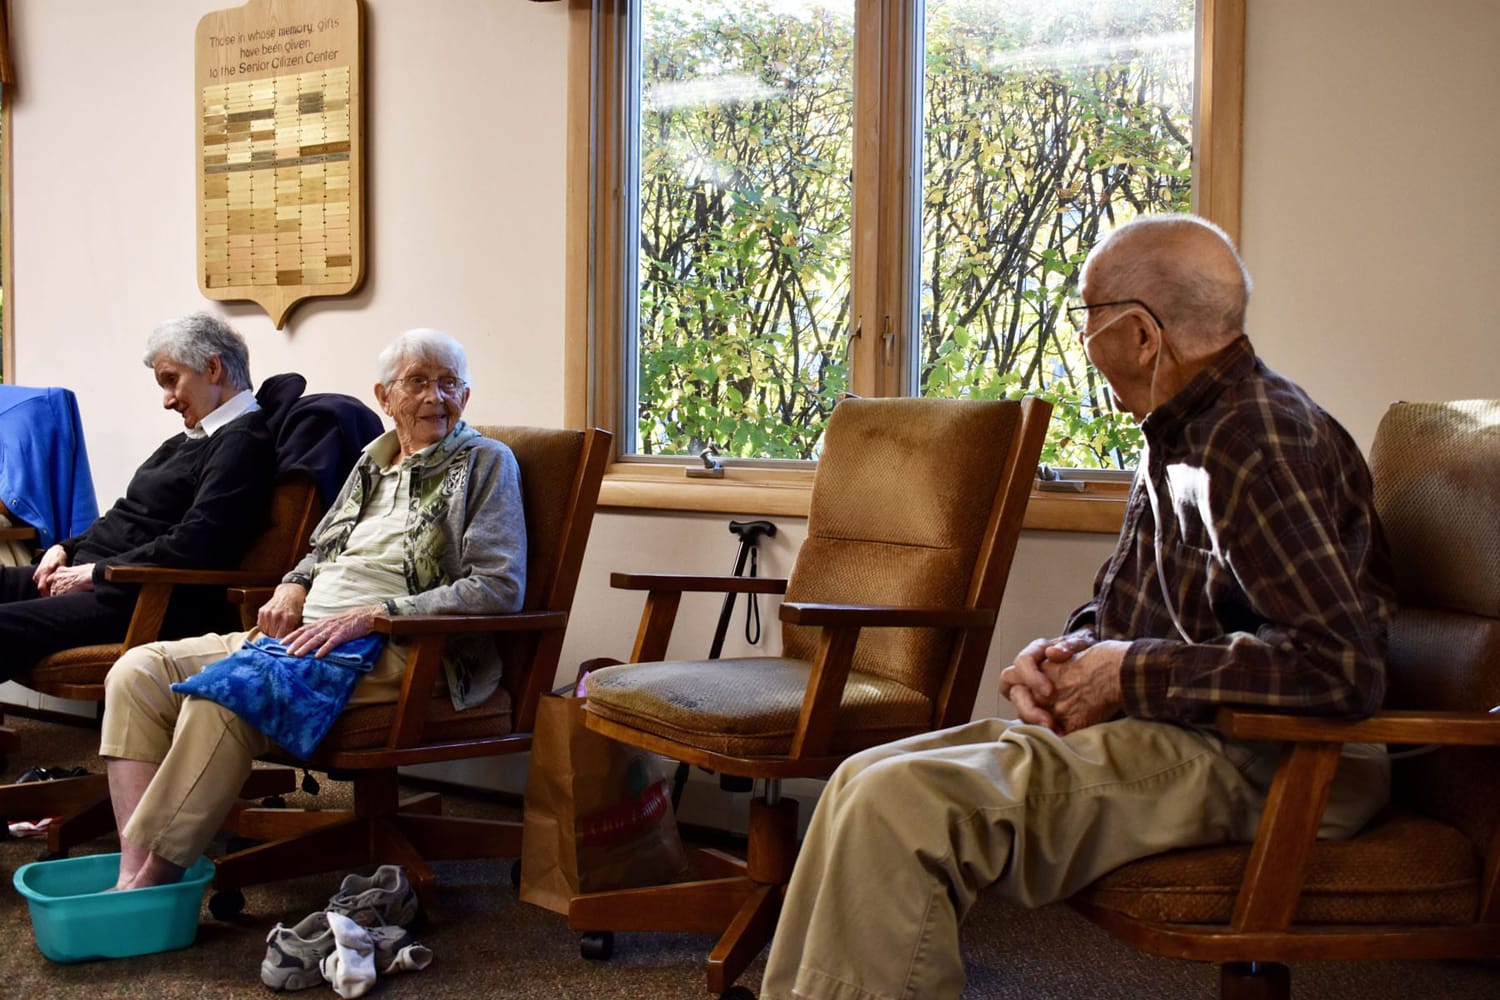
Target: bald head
[(1185, 268)]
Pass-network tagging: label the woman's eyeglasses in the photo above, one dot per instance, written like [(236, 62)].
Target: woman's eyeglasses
[(447, 385)]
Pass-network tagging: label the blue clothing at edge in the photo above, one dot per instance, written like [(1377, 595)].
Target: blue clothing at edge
[(44, 467)]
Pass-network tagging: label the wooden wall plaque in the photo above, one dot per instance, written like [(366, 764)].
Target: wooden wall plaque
[(280, 152)]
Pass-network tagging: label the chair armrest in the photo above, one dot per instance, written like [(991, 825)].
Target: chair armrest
[(255, 596), (20, 534), (427, 633), (519, 621), (1445, 728), (885, 616), (681, 583), (1277, 867), (664, 593), (203, 577)]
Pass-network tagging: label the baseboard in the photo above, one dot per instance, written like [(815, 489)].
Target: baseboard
[(51, 715)]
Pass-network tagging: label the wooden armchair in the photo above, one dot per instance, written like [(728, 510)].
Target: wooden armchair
[(560, 475), (1423, 880), (889, 611), (81, 805), (317, 438)]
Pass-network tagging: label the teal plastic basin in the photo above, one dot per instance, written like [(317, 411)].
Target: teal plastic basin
[(75, 919)]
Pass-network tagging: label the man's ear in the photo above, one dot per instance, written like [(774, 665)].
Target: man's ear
[(213, 370), (1147, 337), (380, 397)]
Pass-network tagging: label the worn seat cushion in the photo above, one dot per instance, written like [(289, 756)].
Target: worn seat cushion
[(365, 727), (748, 706), (1403, 869), (77, 665)]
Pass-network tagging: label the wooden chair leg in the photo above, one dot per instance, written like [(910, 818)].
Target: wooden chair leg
[(329, 848), (707, 907), (440, 838), (93, 818), (747, 934), (1255, 981), (37, 799)]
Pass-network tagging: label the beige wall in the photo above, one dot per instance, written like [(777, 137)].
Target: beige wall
[(1372, 215), (1370, 224)]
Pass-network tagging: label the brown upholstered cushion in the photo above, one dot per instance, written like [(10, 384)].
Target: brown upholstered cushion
[(748, 706), (78, 665), (1447, 660), (899, 509), (1437, 486), (1404, 869), (366, 726)]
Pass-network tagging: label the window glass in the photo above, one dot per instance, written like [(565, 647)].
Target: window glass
[(744, 204), (1045, 123), (1034, 126)]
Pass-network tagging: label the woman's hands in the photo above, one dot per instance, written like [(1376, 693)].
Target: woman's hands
[(283, 612), (54, 577), (325, 634)]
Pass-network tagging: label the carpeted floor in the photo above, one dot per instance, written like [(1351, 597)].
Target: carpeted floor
[(489, 944)]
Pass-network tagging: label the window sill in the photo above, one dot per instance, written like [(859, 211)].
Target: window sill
[(1099, 509)]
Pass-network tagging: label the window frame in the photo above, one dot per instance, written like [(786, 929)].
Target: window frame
[(886, 82), (7, 301)]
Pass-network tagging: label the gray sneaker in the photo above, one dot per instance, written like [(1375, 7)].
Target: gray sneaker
[(293, 953), (387, 895), (389, 942)]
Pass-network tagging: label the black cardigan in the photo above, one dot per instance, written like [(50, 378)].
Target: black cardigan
[(196, 503)]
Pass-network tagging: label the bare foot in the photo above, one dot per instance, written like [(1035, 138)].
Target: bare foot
[(156, 871)]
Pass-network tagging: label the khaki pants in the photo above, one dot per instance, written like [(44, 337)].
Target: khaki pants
[(205, 750), (907, 835)]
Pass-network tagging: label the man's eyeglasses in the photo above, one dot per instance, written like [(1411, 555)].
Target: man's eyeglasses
[(447, 385), (1084, 307)]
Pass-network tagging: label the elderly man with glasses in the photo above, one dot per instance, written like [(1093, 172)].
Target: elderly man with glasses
[(1250, 570), (429, 522)]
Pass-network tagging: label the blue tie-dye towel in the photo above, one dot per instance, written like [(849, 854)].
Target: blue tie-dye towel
[(294, 700)]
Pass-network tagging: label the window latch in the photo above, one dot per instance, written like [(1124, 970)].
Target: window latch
[(1049, 480), (713, 466), (888, 344)]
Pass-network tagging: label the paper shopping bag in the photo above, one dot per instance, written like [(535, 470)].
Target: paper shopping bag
[(598, 813)]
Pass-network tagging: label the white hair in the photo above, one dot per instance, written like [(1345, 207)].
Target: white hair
[(192, 340), (424, 344)]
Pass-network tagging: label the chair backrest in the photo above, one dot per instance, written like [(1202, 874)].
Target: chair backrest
[(291, 515), (918, 502), (1436, 469), (561, 471)]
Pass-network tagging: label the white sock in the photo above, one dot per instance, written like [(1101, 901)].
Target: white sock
[(350, 967), (412, 958)]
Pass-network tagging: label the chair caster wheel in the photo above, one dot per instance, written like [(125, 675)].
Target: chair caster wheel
[(226, 905), (46, 855), (596, 946), (738, 993), (515, 874)]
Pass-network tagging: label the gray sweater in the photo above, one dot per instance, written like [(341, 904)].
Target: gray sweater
[(464, 550)]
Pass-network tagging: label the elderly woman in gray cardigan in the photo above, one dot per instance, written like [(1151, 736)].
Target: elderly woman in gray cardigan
[(428, 522)]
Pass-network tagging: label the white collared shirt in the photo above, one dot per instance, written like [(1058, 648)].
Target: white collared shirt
[(237, 405)]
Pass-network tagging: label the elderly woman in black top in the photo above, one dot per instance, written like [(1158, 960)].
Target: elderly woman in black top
[(195, 503)]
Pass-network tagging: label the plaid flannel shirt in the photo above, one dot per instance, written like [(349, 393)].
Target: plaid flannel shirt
[(1251, 568)]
